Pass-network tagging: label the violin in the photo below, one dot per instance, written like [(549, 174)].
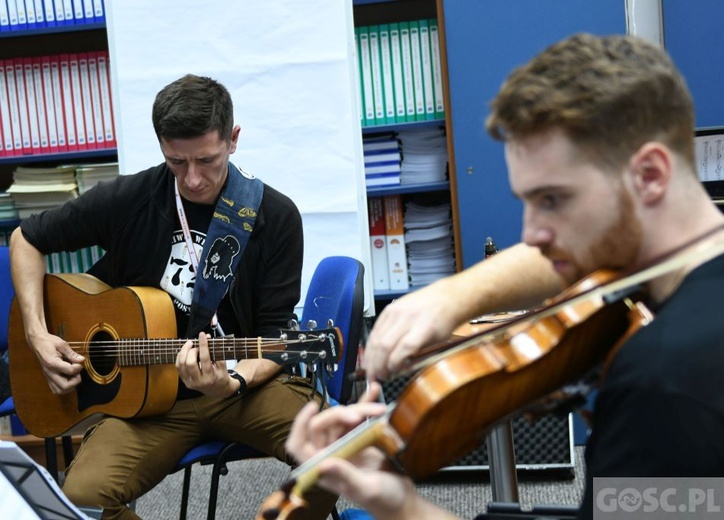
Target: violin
[(471, 385)]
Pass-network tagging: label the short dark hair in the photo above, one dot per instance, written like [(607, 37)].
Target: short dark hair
[(193, 106), (608, 94)]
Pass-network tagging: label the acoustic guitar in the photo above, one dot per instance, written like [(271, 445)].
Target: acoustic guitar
[(127, 336)]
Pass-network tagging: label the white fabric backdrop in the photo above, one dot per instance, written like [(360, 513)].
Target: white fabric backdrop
[(291, 69)]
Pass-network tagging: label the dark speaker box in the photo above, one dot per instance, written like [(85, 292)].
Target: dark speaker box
[(544, 445)]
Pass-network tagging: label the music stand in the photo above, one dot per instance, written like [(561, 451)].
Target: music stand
[(24, 481)]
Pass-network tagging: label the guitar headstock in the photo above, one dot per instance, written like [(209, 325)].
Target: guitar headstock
[(311, 346)]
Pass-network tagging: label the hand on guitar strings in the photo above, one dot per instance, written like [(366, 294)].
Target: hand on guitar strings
[(199, 372), (60, 363)]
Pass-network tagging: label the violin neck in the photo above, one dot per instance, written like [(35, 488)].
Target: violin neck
[(373, 432)]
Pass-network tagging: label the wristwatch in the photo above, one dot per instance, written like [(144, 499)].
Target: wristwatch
[(242, 386)]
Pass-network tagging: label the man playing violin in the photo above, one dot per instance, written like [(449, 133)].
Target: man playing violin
[(598, 135)]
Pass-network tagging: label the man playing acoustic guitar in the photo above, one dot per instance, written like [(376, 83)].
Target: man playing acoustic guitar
[(599, 142), (227, 248)]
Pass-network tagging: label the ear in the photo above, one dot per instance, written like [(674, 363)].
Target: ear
[(651, 167), (235, 132)]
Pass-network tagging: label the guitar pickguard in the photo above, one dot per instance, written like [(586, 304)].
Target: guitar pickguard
[(90, 393)]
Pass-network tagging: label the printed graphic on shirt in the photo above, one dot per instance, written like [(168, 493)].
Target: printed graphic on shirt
[(221, 254), (179, 278)]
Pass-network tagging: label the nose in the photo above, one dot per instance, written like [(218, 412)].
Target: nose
[(192, 178), (535, 232)]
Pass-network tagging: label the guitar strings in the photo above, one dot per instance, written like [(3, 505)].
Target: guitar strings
[(237, 344)]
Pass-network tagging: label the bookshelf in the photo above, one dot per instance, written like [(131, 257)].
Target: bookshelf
[(389, 15), (52, 41), (74, 35)]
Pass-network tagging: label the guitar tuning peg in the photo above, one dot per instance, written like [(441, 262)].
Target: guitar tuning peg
[(330, 323), (293, 325), (311, 325)]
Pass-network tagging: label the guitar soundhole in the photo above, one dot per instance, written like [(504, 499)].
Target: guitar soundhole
[(103, 353)]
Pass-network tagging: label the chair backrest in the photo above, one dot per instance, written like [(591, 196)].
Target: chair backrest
[(336, 292), (6, 296)]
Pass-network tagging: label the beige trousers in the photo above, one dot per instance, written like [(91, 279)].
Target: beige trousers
[(119, 460)]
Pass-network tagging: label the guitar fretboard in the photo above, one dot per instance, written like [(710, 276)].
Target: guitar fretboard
[(136, 352)]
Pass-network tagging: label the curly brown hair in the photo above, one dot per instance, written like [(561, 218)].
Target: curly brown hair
[(609, 95)]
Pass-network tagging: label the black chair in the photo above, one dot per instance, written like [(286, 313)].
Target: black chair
[(336, 293)]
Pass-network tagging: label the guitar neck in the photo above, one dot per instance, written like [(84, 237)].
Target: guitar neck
[(137, 352)]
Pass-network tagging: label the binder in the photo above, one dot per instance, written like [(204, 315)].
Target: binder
[(376, 67), (14, 107), (32, 106), (388, 86), (50, 112), (95, 95), (39, 103), (360, 98), (366, 67), (395, 239), (407, 71), (436, 70), (89, 15), (12, 15), (5, 115), (78, 114), (2, 145), (30, 13), (378, 244), (379, 180), (4, 17), (381, 146), (386, 156), (85, 89), (19, 79), (78, 12), (68, 13), (99, 10), (382, 168), (59, 12), (104, 79), (39, 12), (57, 93), (76, 139), (426, 66), (417, 80), (397, 77), (22, 14), (49, 9)]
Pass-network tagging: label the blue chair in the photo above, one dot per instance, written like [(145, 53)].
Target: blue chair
[(7, 293), (336, 293)]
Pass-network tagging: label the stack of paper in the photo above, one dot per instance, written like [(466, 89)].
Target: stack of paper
[(7, 207), (36, 189), (428, 235), (382, 160), (88, 175), (424, 156)]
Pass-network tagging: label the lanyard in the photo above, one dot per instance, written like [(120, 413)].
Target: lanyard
[(193, 257)]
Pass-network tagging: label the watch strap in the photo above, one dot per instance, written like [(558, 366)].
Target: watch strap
[(242, 386)]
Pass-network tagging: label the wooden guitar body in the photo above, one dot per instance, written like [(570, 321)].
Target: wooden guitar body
[(88, 313)]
